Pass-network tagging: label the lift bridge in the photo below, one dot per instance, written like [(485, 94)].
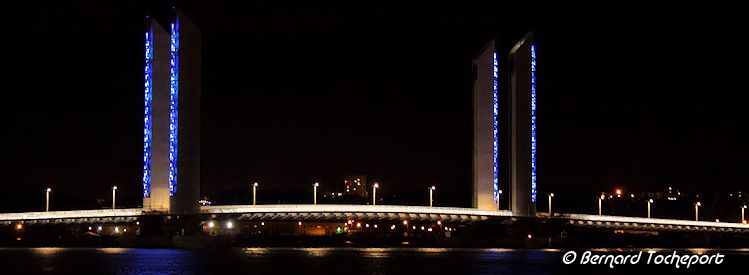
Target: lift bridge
[(171, 155)]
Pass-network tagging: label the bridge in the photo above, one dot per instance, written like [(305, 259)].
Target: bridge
[(336, 213)]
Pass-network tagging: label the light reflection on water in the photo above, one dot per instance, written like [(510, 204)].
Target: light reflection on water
[(47, 251), (113, 250), (303, 260)]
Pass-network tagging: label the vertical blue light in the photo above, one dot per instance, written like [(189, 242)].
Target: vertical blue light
[(495, 135), (173, 110), (533, 123), (147, 116)]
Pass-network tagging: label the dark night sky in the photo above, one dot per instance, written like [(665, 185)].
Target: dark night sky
[(634, 96)]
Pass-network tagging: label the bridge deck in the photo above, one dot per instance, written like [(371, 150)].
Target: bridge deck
[(636, 223), (375, 212), (345, 212)]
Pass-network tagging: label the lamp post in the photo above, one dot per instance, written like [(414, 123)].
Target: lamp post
[(374, 193), (431, 197), (600, 200), (499, 203), (46, 208), (314, 193), (742, 213), (650, 201), (114, 196), (551, 195), (697, 211), (254, 191)]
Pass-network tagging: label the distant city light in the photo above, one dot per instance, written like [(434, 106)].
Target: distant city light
[(229, 225), (211, 224)]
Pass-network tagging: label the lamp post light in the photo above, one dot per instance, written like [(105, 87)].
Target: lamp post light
[(697, 211), (374, 193), (254, 191), (499, 203), (650, 201), (431, 196), (314, 193), (600, 200), (551, 195), (46, 208), (114, 196)]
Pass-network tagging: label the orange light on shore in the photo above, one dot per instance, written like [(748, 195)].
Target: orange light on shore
[(19, 226)]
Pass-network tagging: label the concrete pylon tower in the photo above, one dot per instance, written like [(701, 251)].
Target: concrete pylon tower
[(486, 129), (171, 140), (523, 127)]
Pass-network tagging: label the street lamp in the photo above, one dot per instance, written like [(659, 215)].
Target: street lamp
[(499, 203), (742, 213), (47, 193), (600, 200), (551, 195), (650, 201), (254, 190), (697, 211), (431, 197), (314, 193), (374, 193), (114, 195)]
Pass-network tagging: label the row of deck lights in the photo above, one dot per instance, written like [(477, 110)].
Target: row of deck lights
[(49, 190), (649, 202), (375, 186)]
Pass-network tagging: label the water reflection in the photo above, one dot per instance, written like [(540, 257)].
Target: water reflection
[(316, 252), (112, 250), (376, 253), (308, 260), (47, 251)]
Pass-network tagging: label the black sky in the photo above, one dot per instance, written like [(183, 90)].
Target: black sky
[(635, 96)]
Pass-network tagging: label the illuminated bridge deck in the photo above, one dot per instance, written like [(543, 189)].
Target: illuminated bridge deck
[(359, 212), (650, 224), (74, 216)]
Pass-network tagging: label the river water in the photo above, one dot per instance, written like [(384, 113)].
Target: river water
[(338, 260)]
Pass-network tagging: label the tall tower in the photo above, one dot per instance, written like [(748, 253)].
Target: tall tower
[(523, 126), (486, 128), (171, 155)]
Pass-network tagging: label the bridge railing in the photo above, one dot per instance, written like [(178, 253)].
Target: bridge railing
[(639, 220), (274, 208), (126, 212)]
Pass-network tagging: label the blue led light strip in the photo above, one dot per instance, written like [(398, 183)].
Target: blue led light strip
[(147, 116), (533, 123), (173, 111), (495, 134)]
